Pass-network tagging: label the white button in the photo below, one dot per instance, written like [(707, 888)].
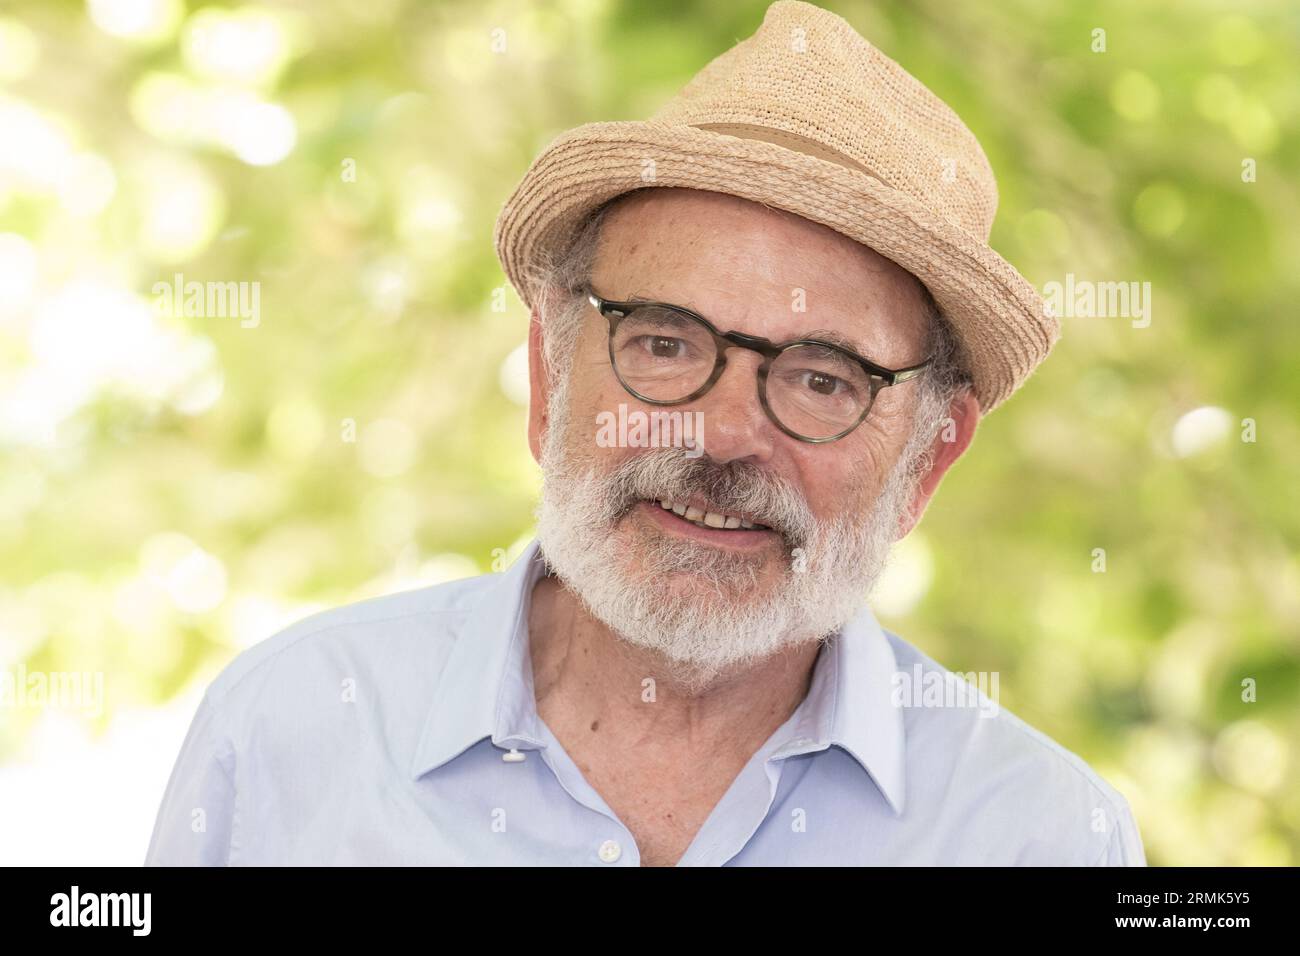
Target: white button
[(610, 851), (514, 756)]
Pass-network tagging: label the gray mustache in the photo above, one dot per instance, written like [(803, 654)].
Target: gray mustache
[(733, 486)]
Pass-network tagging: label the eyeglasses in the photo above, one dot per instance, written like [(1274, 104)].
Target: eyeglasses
[(814, 391)]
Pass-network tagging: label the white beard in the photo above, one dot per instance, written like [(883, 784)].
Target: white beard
[(704, 609)]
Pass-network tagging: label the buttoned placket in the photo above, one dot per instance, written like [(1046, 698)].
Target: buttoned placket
[(745, 806), (612, 843)]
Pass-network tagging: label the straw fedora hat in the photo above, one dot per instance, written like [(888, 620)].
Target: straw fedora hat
[(807, 116)]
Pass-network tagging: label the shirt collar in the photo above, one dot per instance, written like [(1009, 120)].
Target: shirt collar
[(486, 689), (850, 705), (486, 686)]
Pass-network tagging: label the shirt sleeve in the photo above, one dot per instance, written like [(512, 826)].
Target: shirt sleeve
[(195, 825), (1125, 847)]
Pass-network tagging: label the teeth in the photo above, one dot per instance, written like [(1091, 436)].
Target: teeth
[(707, 519)]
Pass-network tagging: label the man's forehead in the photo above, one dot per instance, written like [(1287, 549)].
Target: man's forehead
[(711, 251), (700, 213)]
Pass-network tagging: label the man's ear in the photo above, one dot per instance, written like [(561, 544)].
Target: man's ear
[(539, 387), (953, 439)]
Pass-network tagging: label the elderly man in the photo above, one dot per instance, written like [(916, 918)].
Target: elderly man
[(682, 669)]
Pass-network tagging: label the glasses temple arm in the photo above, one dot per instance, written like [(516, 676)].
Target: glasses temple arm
[(902, 375)]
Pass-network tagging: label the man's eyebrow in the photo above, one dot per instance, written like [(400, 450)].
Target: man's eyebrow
[(829, 336)]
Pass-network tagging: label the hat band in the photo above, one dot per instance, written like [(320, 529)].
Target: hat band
[(792, 141)]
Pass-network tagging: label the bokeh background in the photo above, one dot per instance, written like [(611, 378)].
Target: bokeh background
[(174, 489)]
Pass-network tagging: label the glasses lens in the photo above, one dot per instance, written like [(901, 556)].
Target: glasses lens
[(663, 354), (818, 392)]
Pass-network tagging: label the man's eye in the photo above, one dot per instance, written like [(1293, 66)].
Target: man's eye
[(664, 346), (823, 384)]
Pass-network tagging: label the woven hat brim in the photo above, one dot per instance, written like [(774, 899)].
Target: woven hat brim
[(1000, 318)]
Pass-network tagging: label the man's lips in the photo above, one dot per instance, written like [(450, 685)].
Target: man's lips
[(738, 538)]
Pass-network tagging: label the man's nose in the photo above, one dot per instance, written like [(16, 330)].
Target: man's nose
[(735, 425)]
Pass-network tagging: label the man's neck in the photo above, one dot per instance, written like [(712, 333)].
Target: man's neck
[(594, 688)]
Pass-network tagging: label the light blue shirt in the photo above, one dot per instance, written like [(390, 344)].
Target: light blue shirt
[(404, 730)]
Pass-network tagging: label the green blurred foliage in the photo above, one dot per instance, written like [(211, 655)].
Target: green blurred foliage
[(175, 488)]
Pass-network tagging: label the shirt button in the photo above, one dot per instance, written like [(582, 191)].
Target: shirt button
[(610, 851)]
